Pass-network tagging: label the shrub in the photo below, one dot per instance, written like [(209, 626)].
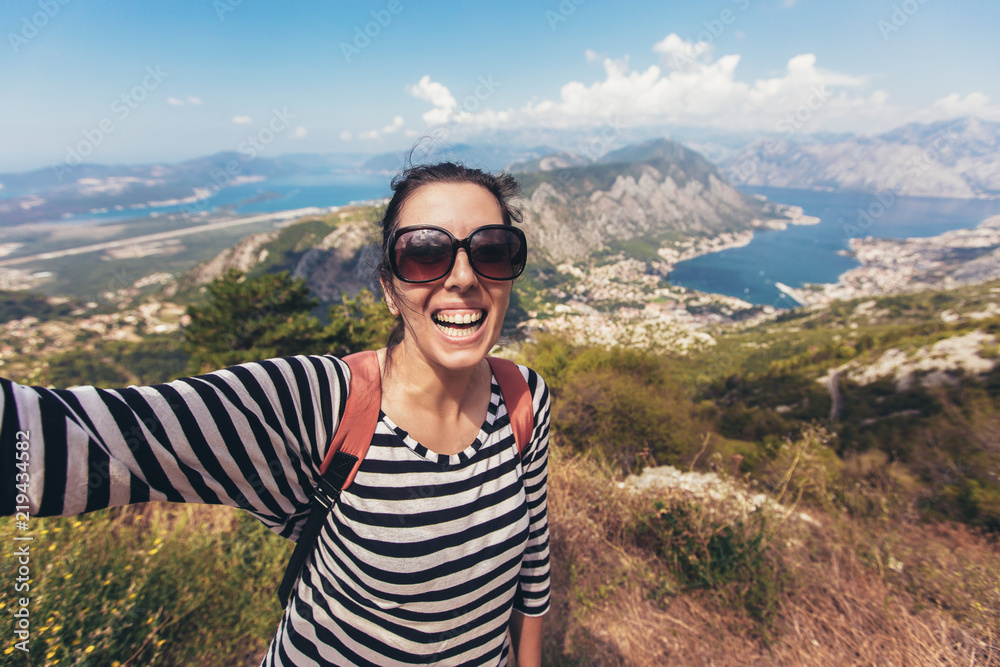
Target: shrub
[(619, 405), (729, 558)]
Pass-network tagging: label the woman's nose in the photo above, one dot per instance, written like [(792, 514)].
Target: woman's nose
[(462, 276)]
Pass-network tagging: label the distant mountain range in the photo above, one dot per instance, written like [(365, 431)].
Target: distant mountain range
[(947, 159), (51, 194), (634, 201), (958, 159), (483, 156)]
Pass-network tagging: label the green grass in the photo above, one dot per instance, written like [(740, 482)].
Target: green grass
[(152, 585)]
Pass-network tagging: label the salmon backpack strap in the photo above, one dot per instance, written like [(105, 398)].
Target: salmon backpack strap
[(517, 398), (354, 434), (343, 458)]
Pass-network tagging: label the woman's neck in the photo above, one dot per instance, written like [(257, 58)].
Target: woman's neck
[(441, 408)]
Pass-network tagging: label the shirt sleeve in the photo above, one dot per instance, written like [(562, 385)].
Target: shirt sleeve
[(252, 436), (534, 581)]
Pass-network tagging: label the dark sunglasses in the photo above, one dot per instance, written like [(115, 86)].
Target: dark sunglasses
[(425, 253)]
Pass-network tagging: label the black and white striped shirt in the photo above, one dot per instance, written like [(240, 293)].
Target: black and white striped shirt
[(424, 556)]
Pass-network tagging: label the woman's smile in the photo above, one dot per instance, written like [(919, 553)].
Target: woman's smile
[(459, 323)]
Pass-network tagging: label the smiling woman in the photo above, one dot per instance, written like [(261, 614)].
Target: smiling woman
[(437, 552)]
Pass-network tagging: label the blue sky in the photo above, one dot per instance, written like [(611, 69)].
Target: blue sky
[(144, 81)]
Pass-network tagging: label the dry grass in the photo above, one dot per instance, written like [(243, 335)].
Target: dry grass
[(840, 603)]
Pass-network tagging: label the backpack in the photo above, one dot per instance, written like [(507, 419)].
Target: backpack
[(354, 435)]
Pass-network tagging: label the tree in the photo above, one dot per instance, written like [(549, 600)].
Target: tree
[(247, 319), (361, 323)]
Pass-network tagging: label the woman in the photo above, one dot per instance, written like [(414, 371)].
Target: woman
[(440, 544)]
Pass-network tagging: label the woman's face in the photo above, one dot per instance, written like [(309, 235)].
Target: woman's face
[(435, 313)]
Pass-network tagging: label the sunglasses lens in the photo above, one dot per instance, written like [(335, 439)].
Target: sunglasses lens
[(423, 255), (498, 254)]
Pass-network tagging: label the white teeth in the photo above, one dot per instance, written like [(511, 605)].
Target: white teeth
[(443, 320), (467, 318), (457, 333)]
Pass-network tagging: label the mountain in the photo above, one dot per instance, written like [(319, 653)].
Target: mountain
[(61, 191), (957, 159), (645, 196), (549, 162), (654, 192), (492, 157)]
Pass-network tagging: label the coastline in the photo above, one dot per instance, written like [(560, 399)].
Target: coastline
[(897, 266)]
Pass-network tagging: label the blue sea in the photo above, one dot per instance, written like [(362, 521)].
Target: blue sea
[(322, 189), (814, 253)]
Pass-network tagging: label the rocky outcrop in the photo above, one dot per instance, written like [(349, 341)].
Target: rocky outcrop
[(343, 262), (245, 255), (574, 212)]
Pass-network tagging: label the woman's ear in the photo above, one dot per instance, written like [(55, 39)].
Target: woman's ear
[(387, 294)]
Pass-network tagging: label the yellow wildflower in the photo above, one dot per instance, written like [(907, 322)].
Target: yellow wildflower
[(89, 649)]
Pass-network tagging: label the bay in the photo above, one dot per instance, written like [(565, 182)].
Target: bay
[(804, 254), (320, 189)]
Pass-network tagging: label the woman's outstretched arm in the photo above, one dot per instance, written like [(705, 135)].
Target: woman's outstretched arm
[(251, 436)]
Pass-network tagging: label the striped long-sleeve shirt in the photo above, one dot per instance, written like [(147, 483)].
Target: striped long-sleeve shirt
[(423, 558)]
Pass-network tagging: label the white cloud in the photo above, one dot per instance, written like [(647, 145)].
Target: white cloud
[(300, 133), (395, 126), (345, 135), (956, 106), (173, 101), (438, 95), (691, 86), (242, 120), (592, 56)]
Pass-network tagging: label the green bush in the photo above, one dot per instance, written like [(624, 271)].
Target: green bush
[(730, 558), (619, 405)]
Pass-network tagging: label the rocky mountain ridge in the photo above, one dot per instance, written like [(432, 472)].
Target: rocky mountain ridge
[(656, 192), (955, 159)]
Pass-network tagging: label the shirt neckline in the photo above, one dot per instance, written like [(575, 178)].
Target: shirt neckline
[(485, 429)]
